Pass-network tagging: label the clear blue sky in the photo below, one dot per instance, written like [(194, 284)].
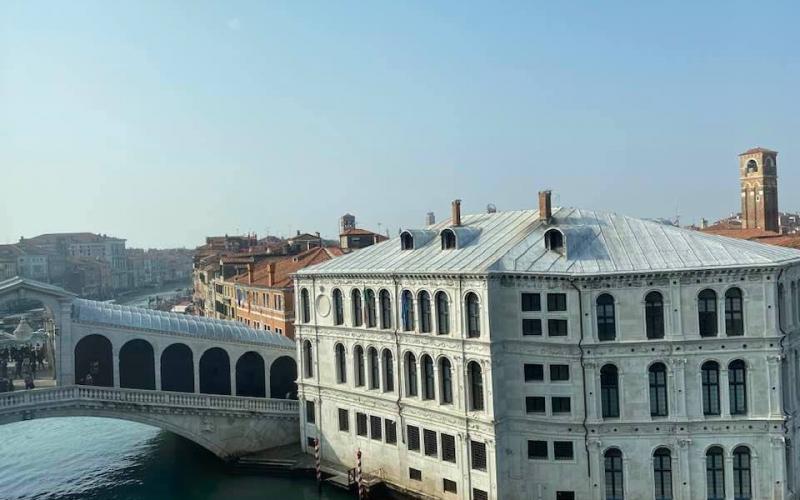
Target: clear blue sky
[(163, 122)]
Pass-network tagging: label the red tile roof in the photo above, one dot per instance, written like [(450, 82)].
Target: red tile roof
[(757, 150), (286, 266)]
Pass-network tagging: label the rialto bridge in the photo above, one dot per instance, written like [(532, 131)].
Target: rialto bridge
[(228, 387)]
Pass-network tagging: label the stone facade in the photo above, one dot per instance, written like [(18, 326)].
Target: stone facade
[(759, 179), (597, 385)]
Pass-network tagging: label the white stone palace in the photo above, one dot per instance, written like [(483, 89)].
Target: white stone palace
[(556, 355)]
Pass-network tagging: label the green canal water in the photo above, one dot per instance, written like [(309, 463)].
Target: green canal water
[(103, 459)]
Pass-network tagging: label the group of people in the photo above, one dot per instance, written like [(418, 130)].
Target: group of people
[(26, 361)]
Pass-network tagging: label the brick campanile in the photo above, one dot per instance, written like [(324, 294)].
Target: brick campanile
[(759, 178)]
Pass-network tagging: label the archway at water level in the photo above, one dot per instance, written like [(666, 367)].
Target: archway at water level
[(94, 361)]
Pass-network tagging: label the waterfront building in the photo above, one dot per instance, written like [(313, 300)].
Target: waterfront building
[(556, 354)]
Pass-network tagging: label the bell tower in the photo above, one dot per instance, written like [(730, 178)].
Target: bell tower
[(759, 179)]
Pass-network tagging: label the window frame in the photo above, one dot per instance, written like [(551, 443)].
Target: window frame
[(605, 317), (658, 389), (654, 315)]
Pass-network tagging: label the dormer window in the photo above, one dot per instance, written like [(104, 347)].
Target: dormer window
[(554, 241), (406, 241), (752, 166), (448, 239)]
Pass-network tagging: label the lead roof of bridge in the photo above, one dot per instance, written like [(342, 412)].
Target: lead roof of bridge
[(90, 311), (595, 243)]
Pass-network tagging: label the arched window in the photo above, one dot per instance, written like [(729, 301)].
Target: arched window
[(662, 473), (734, 318), (473, 315), (442, 314), (388, 371), (406, 241), (358, 312), (752, 166), (341, 365), (715, 474), (386, 310), (710, 381), (448, 239), (369, 297), (374, 369), (359, 365), (308, 359), (613, 470), (475, 376), (424, 312), (411, 375), (609, 391), (304, 305), (741, 474), (428, 384), (606, 324), (707, 312), (654, 315), (338, 307), (658, 390), (737, 387), (446, 378), (554, 241), (408, 311)]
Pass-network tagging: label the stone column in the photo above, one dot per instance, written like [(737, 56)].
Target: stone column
[(267, 364), (724, 393), (596, 483), (774, 385), (458, 375), (728, 460), (157, 366), (777, 485), (673, 321), (232, 363), (591, 410), (684, 476), (115, 351), (196, 361), (678, 387)]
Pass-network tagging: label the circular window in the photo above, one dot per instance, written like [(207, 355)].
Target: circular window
[(323, 306)]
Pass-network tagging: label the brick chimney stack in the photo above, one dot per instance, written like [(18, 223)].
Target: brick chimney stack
[(270, 274), (249, 274), (545, 206), (456, 213)]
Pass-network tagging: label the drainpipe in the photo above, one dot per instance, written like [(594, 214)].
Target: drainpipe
[(468, 442), (397, 361), (782, 353), (583, 377)]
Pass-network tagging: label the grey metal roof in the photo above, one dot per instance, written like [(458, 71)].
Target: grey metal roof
[(19, 282), (90, 311), (596, 243)]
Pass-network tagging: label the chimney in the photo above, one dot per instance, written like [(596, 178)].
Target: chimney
[(270, 274), (249, 274), (545, 207), (456, 221), (430, 219)]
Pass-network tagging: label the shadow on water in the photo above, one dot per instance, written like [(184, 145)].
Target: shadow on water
[(102, 459)]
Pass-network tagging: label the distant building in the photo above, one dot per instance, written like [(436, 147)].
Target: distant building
[(353, 238), (263, 296), (24, 260)]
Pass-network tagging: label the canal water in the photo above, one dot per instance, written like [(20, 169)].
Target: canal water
[(104, 459)]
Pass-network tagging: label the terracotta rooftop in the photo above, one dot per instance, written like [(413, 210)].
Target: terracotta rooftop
[(757, 150), (355, 231), (286, 266)]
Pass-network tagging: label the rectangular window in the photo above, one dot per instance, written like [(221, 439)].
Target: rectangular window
[(562, 450), (391, 431), (361, 424), (431, 448), (559, 373), (310, 413), (534, 372), (412, 437), (478, 453), (531, 327), (560, 405), (556, 302), (414, 474), (534, 404), (531, 302), (344, 420), (537, 450), (449, 486), (557, 327), (448, 448), (479, 494), (375, 428), (565, 495)]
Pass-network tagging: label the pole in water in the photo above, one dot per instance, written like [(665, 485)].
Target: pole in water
[(358, 473), (316, 460)]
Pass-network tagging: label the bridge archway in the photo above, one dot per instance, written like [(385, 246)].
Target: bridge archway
[(137, 366), (283, 378), (93, 356), (215, 372), (250, 375), (177, 368)]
